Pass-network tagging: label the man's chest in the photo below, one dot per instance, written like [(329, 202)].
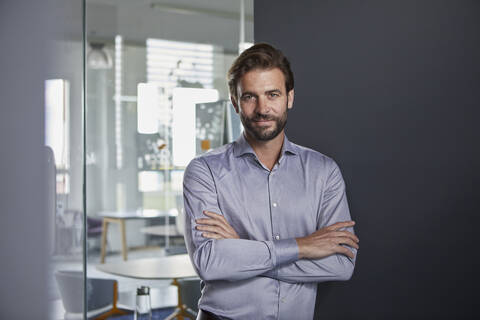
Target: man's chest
[(262, 205)]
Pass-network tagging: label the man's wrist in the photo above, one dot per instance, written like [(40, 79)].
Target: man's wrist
[(286, 251), (301, 253)]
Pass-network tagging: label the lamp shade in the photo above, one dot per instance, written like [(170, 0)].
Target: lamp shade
[(98, 58)]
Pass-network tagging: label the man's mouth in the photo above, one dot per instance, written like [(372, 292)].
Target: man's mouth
[(263, 120)]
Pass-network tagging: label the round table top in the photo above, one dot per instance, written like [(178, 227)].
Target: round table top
[(169, 267), (138, 214)]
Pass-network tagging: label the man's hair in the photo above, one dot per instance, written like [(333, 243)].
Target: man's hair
[(259, 56)]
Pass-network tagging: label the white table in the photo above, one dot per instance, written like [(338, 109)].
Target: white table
[(170, 231), (170, 267), (120, 217)]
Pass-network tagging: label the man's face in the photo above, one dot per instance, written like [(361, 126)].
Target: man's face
[(262, 102)]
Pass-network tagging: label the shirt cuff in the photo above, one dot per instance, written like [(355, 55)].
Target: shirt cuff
[(286, 251)]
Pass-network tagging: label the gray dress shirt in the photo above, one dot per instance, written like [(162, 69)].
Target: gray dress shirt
[(260, 275)]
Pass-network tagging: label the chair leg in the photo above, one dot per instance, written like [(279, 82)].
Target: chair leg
[(124, 239), (104, 240), (181, 311), (115, 310), (175, 314)]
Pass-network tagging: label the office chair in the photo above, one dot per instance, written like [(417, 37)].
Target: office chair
[(102, 295)]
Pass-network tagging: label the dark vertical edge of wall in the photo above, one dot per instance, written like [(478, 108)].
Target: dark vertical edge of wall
[(389, 89)]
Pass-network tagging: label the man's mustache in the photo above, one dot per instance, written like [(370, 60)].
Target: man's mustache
[(263, 117)]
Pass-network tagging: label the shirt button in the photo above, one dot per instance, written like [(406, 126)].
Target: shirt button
[(277, 237), (274, 204)]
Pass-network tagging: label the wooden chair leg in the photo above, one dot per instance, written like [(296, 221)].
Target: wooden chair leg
[(124, 239), (104, 240), (115, 310)]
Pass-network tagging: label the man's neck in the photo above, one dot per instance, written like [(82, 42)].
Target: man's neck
[(267, 152)]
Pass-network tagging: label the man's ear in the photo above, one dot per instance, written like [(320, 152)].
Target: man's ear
[(291, 95), (234, 102)]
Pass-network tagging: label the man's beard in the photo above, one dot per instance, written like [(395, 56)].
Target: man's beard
[(264, 133)]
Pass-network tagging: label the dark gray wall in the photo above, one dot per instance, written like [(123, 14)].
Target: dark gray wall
[(391, 91), (28, 29), (23, 256)]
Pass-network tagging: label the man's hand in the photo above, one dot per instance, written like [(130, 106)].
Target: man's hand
[(215, 227), (327, 241)]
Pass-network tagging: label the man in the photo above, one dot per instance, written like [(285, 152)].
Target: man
[(265, 218)]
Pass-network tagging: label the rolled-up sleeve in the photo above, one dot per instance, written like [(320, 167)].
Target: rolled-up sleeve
[(224, 259)]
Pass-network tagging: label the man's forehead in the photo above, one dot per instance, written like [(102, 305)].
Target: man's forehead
[(262, 79)]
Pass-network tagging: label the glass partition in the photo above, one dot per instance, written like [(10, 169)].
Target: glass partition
[(156, 96), (64, 154)]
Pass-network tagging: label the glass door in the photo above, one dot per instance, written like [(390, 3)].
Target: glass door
[(156, 96)]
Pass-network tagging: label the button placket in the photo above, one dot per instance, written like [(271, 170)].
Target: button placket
[(273, 208)]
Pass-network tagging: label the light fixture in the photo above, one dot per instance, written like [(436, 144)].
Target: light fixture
[(98, 57)]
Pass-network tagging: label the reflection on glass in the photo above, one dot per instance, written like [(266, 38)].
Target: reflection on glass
[(64, 152), (97, 57), (209, 126), (180, 64), (57, 120), (149, 98), (149, 181), (67, 221), (118, 102), (184, 121)]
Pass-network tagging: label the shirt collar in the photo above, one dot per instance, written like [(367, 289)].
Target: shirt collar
[(241, 146)]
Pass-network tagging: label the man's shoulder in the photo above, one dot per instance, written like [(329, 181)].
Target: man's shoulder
[(213, 158), (313, 156), (216, 155)]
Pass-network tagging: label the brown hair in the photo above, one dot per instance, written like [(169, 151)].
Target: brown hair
[(259, 56)]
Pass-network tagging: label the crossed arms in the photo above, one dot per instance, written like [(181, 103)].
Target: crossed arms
[(218, 253)]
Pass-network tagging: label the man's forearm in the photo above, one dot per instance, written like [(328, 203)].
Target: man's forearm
[(336, 267), (239, 259)]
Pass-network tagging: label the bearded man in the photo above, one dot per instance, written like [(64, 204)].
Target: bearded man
[(266, 219)]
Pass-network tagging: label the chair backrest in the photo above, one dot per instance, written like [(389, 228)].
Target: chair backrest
[(100, 292), (70, 284), (190, 292), (94, 227)]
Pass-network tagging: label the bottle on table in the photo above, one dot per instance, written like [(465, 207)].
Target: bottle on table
[(143, 307)]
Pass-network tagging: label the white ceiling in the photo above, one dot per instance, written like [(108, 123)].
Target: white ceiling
[(204, 21), (232, 6)]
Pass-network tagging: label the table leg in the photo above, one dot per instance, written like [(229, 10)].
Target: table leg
[(180, 302), (104, 240), (124, 239)]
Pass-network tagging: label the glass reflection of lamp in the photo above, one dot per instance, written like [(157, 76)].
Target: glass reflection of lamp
[(98, 57)]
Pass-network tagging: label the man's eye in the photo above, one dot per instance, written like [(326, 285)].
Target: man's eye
[(274, 95), (247, 97)]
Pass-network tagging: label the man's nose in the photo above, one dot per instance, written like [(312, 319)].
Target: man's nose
[(263, 106)]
